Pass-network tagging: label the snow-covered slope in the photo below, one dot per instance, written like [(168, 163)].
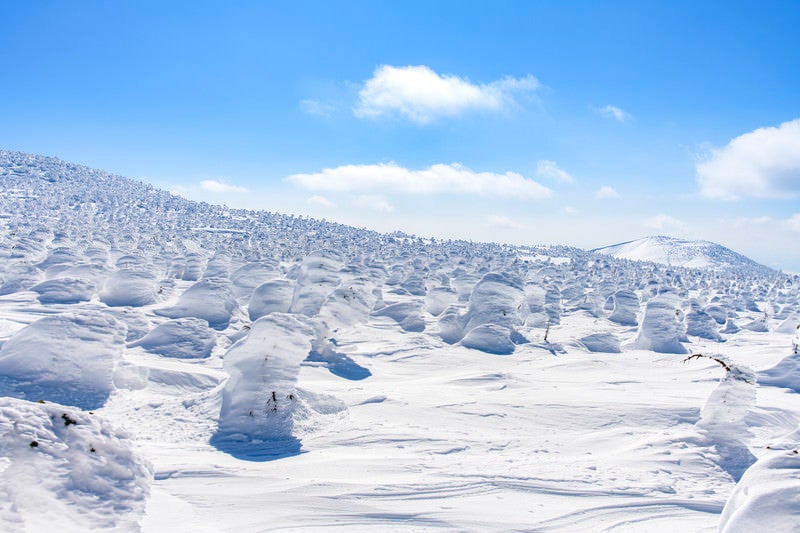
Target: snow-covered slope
[(681, 252), (278, 373)]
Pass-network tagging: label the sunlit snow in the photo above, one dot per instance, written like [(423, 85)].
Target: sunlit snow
[(167, 365)]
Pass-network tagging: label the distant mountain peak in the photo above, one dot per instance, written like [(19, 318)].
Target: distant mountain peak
[(681, 253)]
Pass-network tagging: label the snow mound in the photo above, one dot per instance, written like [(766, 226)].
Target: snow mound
[(438, 298), (497, 307), (64, 291), (626, 306), (602, 342), (407, 314), (67, 470), (68, 359), (496, 299), (19, 277), (348, 305), (701, 324), (210, 299), (489, 338), (758, 325), (183, 338), (786, 374), (247, 277), (660, 330), (790, 325), (259, 399), (135, 288), (318, 277), (766, 497), (722, 419), (271, 297)]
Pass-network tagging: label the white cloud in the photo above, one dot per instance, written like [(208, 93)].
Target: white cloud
[(388, 178), (503, 222), (763, 163), (614, 112), (421, 95), (220, 186), (744, 222), (666, 223), (317, 108), (373, 202), (606, 192), (320, 201), (793, 222), (549, 169), (570, 210)]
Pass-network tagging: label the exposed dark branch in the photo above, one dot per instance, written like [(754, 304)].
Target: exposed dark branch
[(725, 365)]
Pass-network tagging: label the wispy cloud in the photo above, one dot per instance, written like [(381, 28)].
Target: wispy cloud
[(421, 95), (744, 222), (317, 108), (320, 201), (390, 178), (763, 163), (221, 186), (373, 202), (606, 192), (612, 111), (503, 222), (666, 223), (551, 170), (793, 222)]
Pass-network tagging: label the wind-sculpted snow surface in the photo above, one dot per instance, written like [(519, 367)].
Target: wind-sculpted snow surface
[(226, 342), (62, 469), (766, 497), (69, 359)]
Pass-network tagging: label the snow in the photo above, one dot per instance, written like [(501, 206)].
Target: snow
[(626, 306), (680, 252), (65, 468), (661, 329), (260, 398), (67, 358), (248, 371), (184, 338), (129, 288), (209, 299), (766, 497)]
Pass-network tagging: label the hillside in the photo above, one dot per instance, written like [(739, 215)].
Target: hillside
[(682, 253), (181, 365)]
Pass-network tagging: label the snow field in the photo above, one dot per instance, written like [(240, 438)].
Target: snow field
[(282, 373)]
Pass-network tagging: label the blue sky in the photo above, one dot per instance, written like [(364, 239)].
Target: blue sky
[(584, 123)]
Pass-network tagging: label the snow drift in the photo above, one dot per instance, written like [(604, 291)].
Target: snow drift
[(68, 359)]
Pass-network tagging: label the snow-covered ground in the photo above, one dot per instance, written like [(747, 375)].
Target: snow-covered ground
[(186, 367)]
